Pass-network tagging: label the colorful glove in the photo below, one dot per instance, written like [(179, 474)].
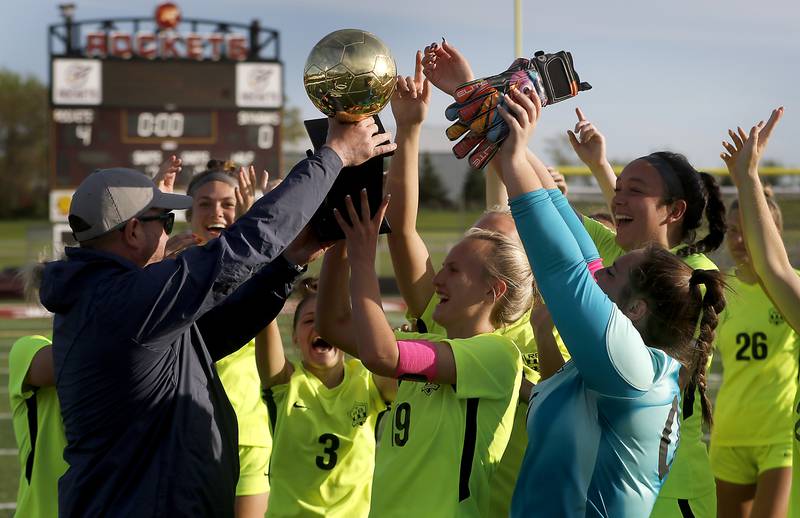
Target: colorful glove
[(476, 119), (475, 111)]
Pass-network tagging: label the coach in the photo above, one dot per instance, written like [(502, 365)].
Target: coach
[(150, 431)]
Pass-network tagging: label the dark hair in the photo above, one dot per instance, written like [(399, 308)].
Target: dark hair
[(306, 291), (676, 302), (774, 209), (702, 195)]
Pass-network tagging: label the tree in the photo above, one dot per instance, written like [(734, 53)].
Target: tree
[(432, 193), (292, 128), (23, 159), (473, 192), (560, 151)]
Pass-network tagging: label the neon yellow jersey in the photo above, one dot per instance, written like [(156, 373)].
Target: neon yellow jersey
[(239, 376), (41, 440), (521, 333), (324, 444), (442, 443), (690, 475), (759, 352), (794, 501)]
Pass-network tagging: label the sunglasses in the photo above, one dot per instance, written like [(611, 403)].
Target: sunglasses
[(168, 219)]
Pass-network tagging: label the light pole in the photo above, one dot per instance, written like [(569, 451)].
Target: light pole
[(67, 12)]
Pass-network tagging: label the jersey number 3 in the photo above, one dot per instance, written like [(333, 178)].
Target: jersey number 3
[(328, 460)]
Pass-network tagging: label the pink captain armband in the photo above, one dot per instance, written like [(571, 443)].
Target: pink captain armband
[(594, 266), (416, 360)]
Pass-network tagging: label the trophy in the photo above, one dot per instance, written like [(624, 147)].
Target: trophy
[(351, 75)]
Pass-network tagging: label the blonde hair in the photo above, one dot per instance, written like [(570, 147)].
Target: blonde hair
[(507, 262)]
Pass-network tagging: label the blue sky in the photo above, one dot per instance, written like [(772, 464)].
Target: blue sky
[(666, 75)]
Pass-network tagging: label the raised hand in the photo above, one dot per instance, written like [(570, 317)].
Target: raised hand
[(744, 151), (246, 192), (589, 144), (355, 143), (305, 248), (521, 114), (361, 233), (180, 242), (446, 67), (167, 173), (411, 98)]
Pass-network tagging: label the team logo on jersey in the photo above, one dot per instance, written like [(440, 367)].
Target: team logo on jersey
[(531, 360), (358, 414), (430, 388), (775, 317)]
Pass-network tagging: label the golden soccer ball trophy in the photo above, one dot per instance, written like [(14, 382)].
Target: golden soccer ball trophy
[(350, 74)]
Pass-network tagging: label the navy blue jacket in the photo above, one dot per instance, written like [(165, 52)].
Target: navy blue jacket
[(150, 431)]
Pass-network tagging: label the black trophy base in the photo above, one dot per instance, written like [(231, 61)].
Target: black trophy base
[(351, 180)]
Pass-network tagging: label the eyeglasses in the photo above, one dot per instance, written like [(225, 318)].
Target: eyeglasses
[(168, 218)]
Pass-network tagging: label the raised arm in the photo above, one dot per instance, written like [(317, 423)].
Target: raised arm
[(273, 369), (258, 300), (764, 244), (377, 346), (590, 146), (603, 344), (333, 316), (183, 289), (410, 257)]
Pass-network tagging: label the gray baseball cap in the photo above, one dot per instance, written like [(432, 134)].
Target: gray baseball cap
[(108, 198)]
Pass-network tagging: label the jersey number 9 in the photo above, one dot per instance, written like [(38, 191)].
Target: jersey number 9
[(401, 425)]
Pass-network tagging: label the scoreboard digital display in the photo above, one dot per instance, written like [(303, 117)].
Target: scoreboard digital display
[(131, 92)]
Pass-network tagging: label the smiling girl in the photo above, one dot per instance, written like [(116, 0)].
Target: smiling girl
[(660, 198), (452, 417), (608, 418), (751, 443), (323, 412), (215, 208)]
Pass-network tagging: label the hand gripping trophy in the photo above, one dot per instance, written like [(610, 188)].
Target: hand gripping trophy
[(350, 75)]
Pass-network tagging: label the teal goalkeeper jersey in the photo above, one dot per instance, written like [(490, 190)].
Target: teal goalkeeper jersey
[(603, 430)]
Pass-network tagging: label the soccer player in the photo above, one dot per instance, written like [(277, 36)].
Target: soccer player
[(324, 412), (661, 198), (765, 247), (751, 441), (217, 198), (602, 429), (37, 423), (452, 416), (415, 271)]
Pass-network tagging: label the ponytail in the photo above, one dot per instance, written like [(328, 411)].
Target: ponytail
[(702, 195), (715, 216)]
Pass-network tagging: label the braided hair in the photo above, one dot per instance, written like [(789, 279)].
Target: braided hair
[(677, 298)]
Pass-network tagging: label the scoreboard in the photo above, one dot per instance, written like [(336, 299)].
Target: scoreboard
[(131, 92)]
